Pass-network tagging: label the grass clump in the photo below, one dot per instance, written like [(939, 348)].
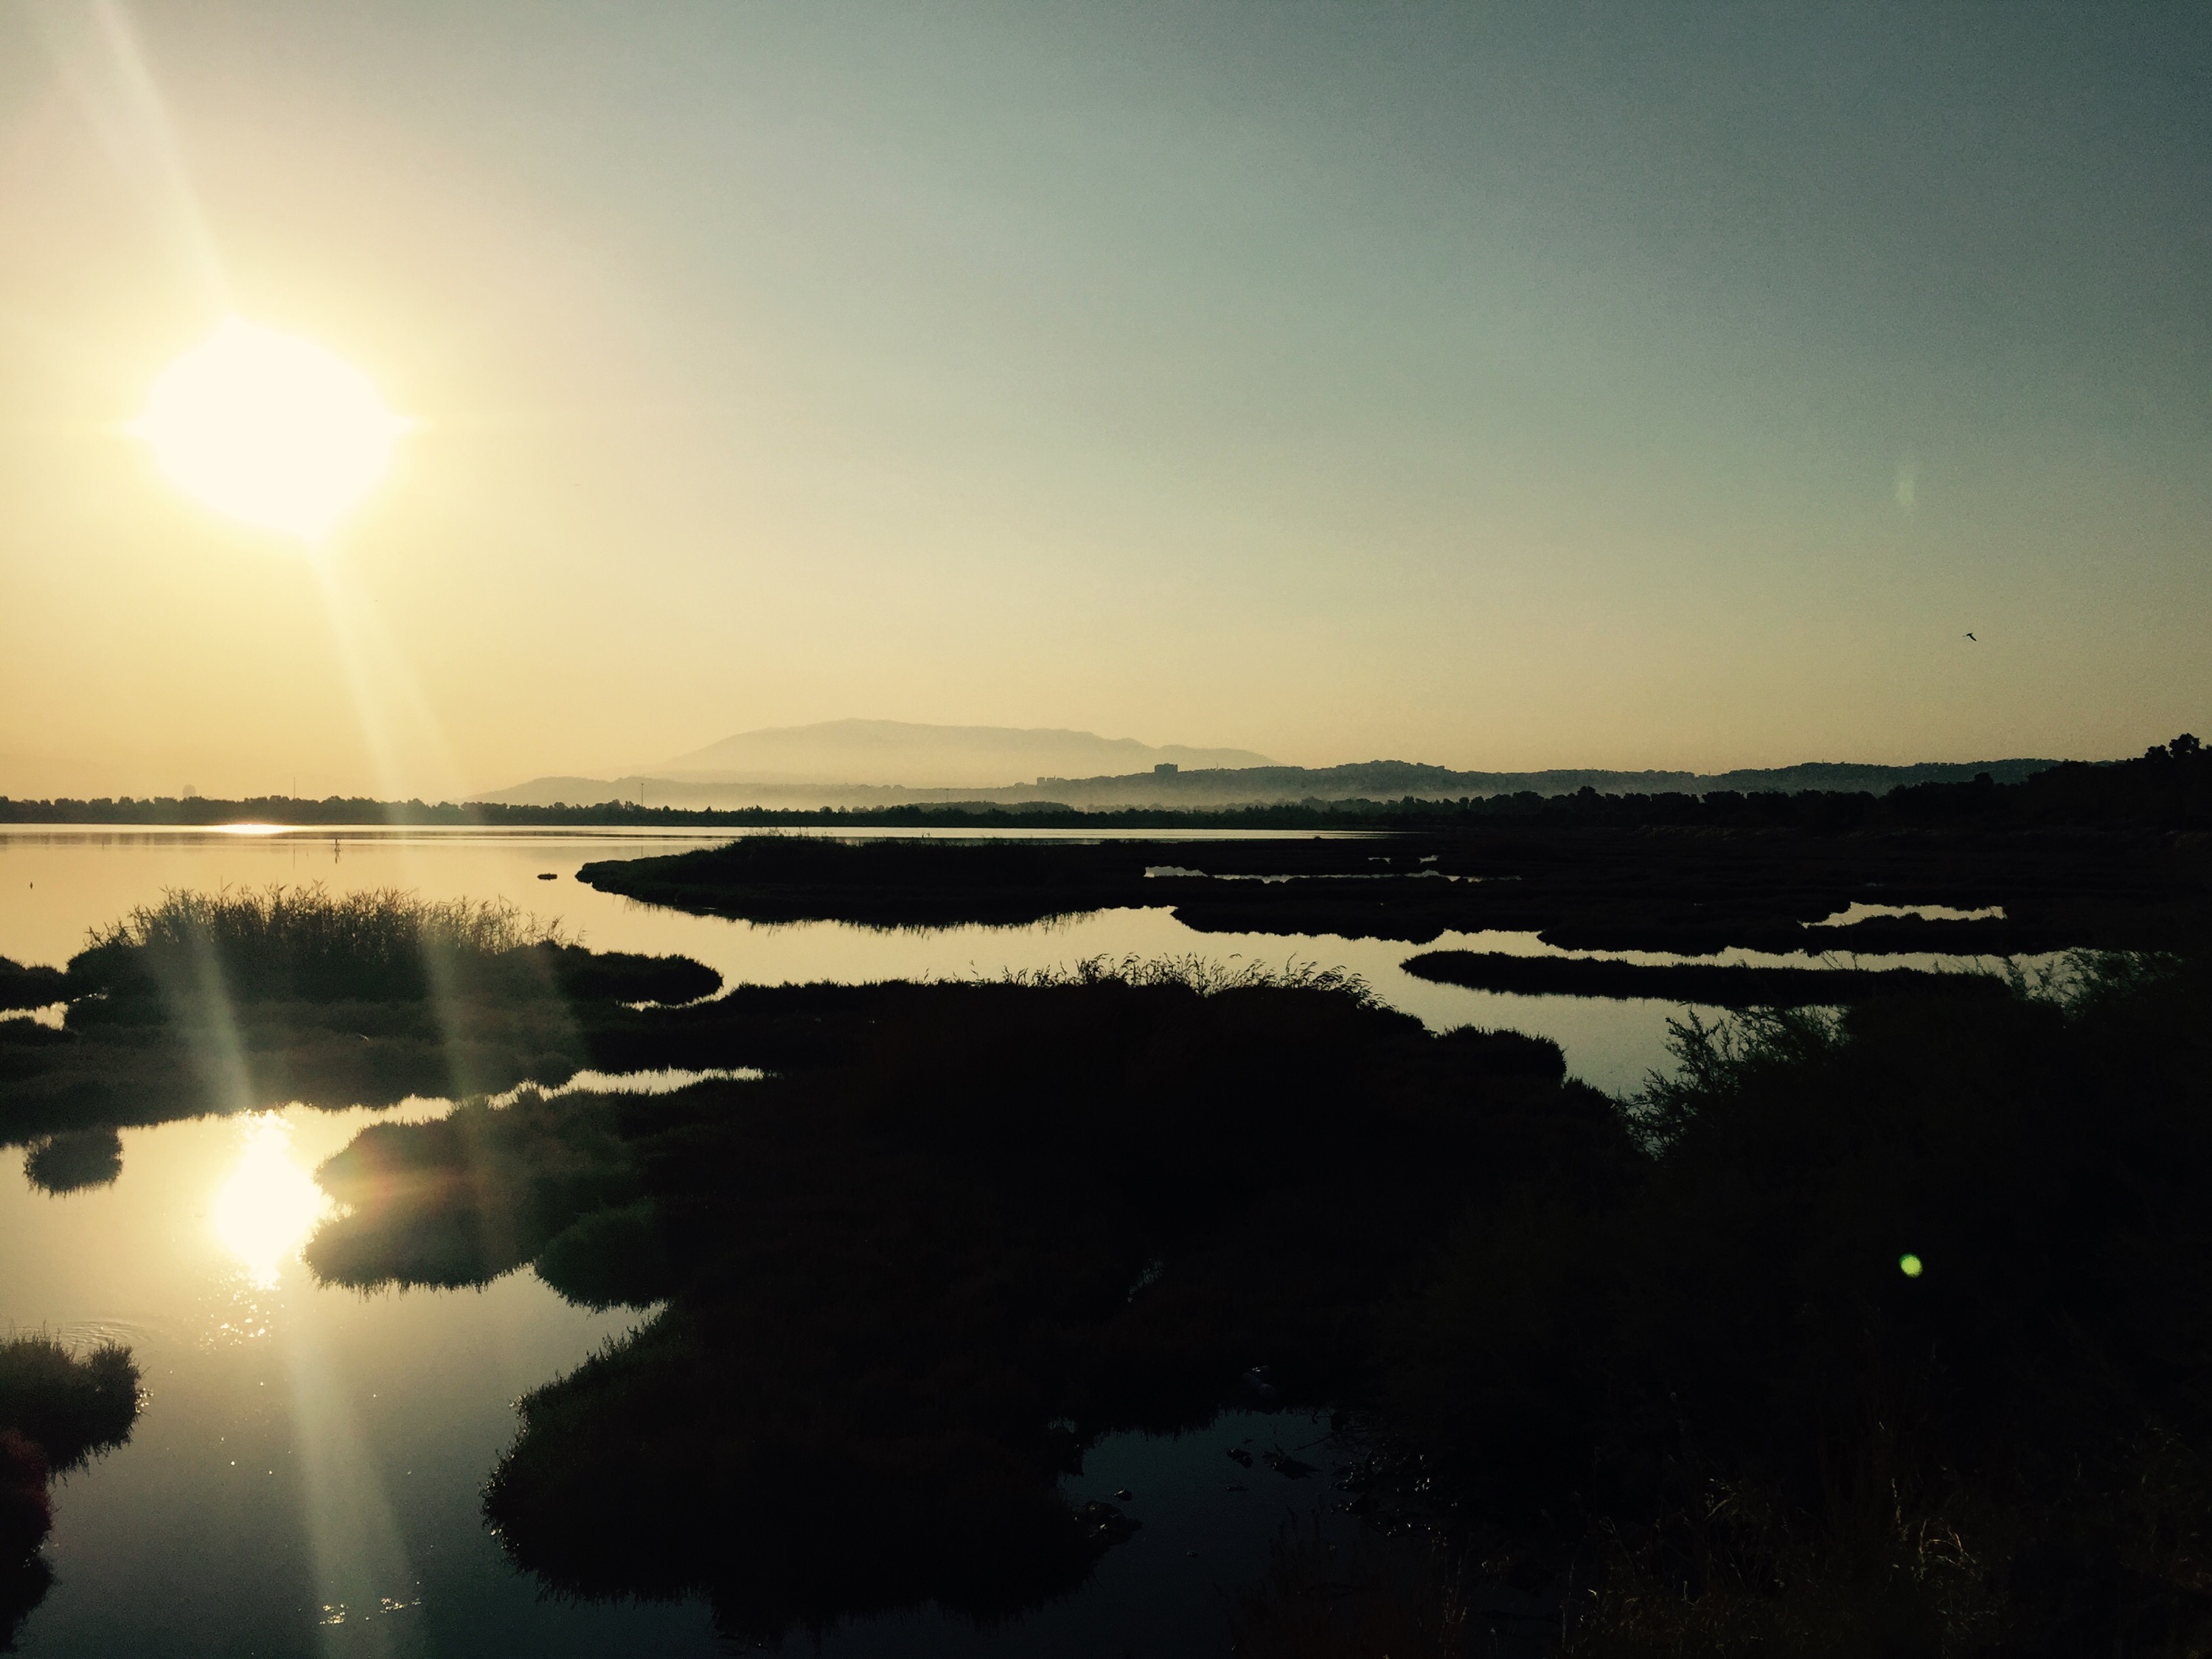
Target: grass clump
[(304, 944), (1203, 976)]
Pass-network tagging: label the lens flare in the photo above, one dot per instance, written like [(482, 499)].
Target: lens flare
[(1909, 1266), (270, 429), (269, 1205)]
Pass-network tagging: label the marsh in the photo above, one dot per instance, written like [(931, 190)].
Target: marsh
[(829, 1306)]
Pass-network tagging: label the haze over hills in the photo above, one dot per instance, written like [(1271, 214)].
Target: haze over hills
[(903, 752), (885, 763)]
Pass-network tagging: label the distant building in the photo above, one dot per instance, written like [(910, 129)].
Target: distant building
[(1166, 769)]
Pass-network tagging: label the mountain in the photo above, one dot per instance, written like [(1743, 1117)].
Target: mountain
[(926, 756)]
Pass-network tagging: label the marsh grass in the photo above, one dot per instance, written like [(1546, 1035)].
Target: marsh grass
[(1725, 1383), (1597, 874), (225, 1001), (1205, 976), (306, 944)]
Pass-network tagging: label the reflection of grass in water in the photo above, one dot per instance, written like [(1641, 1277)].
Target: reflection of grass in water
[(72, 1405), (1729, 985), (57, 1409), (71, 1162)]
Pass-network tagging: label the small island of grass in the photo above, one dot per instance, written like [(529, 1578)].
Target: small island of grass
[(233, 1001), (58, 1409)]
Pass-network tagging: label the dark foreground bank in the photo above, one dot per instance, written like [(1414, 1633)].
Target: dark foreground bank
[(1877, 1331), (1896, 1344)]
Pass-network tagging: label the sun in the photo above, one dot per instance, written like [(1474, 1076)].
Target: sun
[(270, 429)]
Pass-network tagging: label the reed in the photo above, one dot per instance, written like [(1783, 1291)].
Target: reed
[(308, 944), (1205, 975)]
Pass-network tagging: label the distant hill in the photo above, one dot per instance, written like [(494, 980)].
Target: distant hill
[(1221, 785), (900, 752)]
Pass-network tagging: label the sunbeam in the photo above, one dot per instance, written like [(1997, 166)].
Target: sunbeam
[(97, 50)]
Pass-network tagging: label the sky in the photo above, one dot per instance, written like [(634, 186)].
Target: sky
[(1494, 386)]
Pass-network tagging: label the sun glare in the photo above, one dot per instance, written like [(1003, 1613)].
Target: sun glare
[(269, 1205), (270, 429)]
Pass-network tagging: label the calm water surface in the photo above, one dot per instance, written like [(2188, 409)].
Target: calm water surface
[(307, 1473)]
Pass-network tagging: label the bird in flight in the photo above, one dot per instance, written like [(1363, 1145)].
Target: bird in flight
[(1970, 636)]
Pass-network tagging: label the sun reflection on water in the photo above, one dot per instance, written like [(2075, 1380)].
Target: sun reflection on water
[(269, 1204)]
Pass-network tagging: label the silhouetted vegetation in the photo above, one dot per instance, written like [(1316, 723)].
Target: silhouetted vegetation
[(305, 945), (216, 1003), (1898, 1346), (908, 1279), (1687, 889), (1873, 1330), (1406, 797), (28, 988), (1876, 1328), (1730, 986), (57, 1409), (886, 883)]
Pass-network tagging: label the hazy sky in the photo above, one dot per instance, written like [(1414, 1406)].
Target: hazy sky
[(1496, 386)]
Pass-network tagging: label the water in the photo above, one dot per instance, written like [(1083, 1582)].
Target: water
[(57, 883), (305, 1457), (305, 1476)]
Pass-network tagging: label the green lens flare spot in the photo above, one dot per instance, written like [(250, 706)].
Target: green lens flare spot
[(1909, 1265)]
